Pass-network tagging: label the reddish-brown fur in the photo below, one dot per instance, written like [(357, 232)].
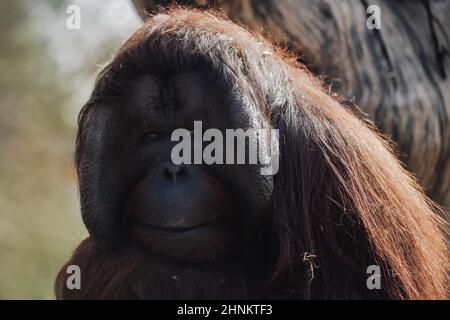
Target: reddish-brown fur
[(342, 201)]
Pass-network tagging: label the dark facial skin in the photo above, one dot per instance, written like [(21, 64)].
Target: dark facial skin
[(188, 214), (175, 210)]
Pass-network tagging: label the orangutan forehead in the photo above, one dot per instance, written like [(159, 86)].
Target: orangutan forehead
[(181, 91)]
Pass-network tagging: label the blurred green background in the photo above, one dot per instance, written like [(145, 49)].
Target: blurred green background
[(46, 74)]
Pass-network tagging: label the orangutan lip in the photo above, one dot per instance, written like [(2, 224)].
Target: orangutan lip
[(176, 229)]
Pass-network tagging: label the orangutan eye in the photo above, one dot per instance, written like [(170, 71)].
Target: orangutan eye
[(150, 136)]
